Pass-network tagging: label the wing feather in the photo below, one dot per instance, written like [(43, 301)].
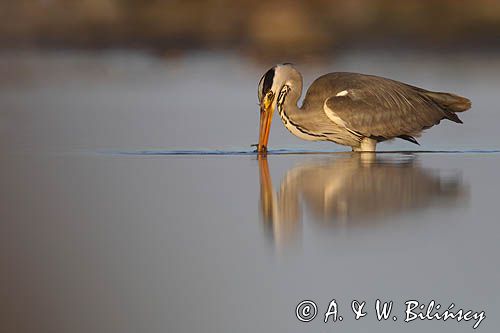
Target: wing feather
[(379, 107)]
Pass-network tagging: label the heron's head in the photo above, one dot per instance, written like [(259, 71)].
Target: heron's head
[(274, 85)]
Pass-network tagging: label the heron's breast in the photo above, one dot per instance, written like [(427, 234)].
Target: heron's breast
[(298, 129)]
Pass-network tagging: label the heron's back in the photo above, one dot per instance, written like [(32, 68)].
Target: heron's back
[(378, 107)]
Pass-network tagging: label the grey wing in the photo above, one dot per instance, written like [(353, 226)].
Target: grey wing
[(378, 107)]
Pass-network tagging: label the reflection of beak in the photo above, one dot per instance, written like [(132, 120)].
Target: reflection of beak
[(266, 191), (266, 116), (280, 213)]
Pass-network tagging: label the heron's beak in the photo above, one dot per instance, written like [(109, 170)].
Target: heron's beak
[(266, 116)]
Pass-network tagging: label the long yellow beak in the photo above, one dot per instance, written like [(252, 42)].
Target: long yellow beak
[(266, 116)]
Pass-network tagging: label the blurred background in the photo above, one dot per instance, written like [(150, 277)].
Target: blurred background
[(266, 28)]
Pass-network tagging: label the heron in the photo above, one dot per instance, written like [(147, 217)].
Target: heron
[(351, 109)]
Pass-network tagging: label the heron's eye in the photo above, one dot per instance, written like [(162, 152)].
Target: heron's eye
[(270, 95)]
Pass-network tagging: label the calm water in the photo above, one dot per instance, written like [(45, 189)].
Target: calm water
[(102, 232)]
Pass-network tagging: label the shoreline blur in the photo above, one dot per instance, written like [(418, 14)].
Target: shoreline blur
[(293, 29)]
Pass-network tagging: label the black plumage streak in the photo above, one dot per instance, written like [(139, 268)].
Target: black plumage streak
[(268, 81), (409, 138)]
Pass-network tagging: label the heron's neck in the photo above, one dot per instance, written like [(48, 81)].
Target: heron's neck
[(290, 114), (289, 107)]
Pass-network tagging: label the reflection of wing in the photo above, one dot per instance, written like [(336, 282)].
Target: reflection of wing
[(353, 191)]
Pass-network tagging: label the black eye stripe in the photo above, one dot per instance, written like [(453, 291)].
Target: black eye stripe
[(268, 81)]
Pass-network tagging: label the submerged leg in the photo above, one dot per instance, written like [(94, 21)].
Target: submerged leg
[(367, 144)]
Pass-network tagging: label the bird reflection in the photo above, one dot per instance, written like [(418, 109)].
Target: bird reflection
[(357, 190)]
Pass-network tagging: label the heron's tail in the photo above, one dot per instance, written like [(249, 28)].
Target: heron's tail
[(449, 102)]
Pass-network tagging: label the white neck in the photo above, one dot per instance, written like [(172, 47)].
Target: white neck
[(290, 81)]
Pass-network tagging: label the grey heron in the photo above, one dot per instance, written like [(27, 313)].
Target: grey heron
[(351, 109)]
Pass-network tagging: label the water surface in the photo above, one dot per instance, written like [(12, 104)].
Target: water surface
[(105, 227)]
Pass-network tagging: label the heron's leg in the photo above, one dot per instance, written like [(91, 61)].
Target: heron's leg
[(367, 144)]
